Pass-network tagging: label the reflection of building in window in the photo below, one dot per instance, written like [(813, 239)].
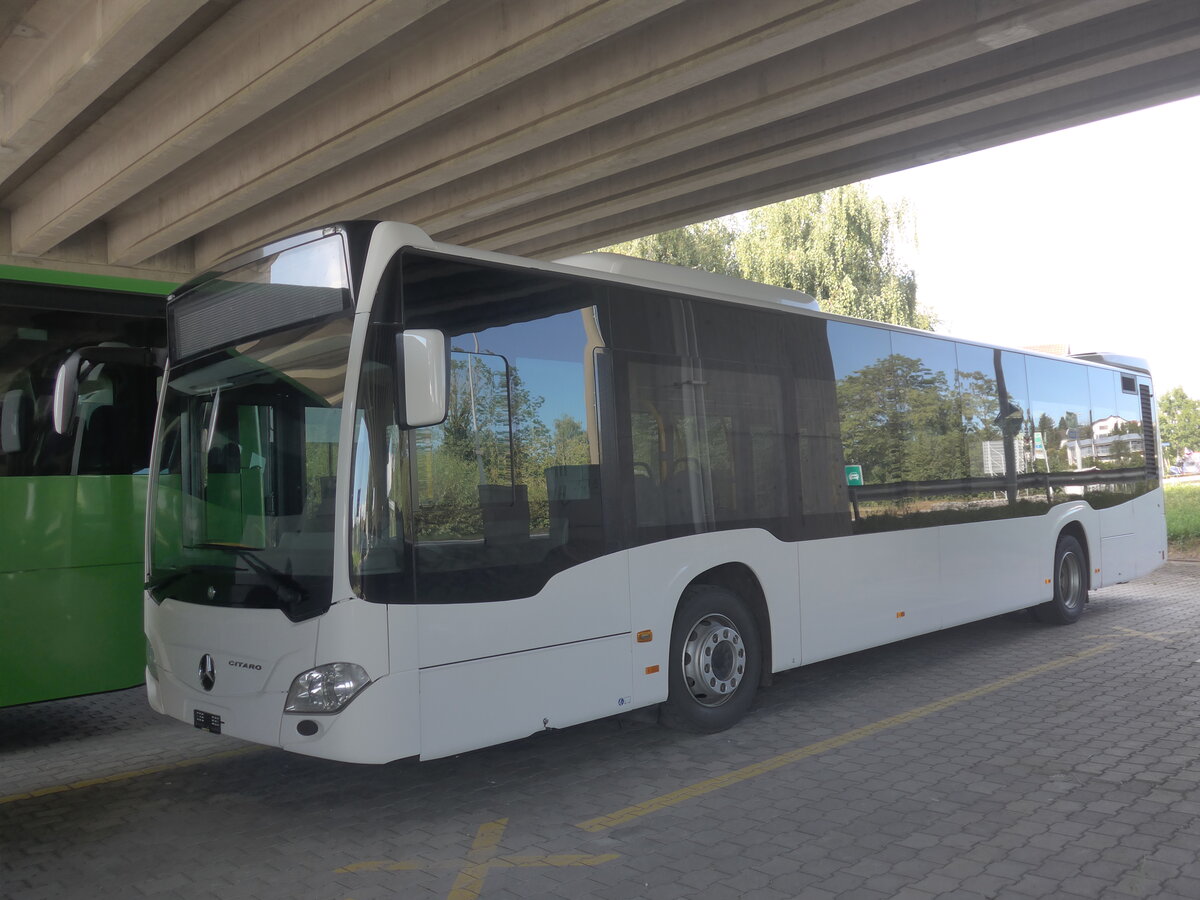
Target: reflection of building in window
[(1109, 425), (1114, 440)]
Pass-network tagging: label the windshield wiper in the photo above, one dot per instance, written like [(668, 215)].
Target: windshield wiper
[(171, 577), (290, 592)]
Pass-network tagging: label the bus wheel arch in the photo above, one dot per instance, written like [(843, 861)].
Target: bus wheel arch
[(719, 651), (1071, 578)]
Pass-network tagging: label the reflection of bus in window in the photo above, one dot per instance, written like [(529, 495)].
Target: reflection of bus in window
[(73, 491), (562, 491)]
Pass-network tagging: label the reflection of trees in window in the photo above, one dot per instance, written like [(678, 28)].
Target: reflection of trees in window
[(901, 422), (493, 450), (983, 424)]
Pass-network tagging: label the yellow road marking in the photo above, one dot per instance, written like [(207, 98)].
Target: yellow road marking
[(1149, 635), (469, 882), (126, 776), (630, 813), (480, 860)]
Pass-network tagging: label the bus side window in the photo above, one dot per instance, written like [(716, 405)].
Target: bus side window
[(464, 470)]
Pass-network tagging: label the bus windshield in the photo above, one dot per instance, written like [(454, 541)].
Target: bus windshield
[(243, 509)]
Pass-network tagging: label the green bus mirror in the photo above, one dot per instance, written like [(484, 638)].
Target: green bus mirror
[(426, 367)]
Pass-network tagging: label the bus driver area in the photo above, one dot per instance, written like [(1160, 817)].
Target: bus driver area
[(1001, 758)]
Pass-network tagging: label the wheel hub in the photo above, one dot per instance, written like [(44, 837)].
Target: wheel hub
[(1070, 580), (714, 660)]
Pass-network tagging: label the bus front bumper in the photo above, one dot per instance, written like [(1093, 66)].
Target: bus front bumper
[(379, 725)]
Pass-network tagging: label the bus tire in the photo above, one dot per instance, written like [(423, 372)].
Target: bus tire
[(715, 661), (1070, 584)]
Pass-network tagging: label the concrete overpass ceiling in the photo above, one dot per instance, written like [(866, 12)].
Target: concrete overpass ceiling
[(158, 136)]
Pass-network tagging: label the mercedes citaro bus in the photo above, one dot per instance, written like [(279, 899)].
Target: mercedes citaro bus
[(411, 499)]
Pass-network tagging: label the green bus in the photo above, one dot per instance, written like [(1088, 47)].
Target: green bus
[(78, 370)]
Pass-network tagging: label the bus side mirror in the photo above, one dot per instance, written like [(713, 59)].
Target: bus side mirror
[(66, 391), (426, 371), (66, 380)]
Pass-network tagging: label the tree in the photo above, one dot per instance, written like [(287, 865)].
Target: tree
[(840, 246), (705, 245), (1179, 421)]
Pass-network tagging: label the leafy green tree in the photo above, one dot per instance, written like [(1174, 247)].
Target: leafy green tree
[(571, 446), (1179, 422), (705, 245), (840, 246)]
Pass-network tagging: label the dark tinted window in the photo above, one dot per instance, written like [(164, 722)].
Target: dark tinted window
[(492, 502)]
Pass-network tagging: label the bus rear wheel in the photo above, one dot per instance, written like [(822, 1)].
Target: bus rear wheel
[(715, 661), (1070, 584)]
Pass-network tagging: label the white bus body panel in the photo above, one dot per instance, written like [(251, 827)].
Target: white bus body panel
[(474, 704), (1117, 551), (494, 672), (1151, 543), (851, 589), (989, 568), (248, 700), (1133, 539), (584, 602), (378, 725)]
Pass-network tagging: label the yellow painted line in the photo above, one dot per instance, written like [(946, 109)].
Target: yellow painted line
[(630, 813), (126, 776), (470, 878), (554, 861), (480, 860), (1161, 636)]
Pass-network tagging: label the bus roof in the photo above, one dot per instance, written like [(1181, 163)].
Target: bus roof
[(691, 279)]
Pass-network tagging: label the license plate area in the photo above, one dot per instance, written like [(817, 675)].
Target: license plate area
[(206, 721)]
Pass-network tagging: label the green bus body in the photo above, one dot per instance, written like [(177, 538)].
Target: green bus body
[(72, 506)]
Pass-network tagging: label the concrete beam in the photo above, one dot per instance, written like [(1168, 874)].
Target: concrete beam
[(255, 57), (451, 62), (666, 56), (1064, 107), (1128, 40), (84, 253), (61, 56)]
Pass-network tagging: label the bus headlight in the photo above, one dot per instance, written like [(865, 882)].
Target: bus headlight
[(327, 688)]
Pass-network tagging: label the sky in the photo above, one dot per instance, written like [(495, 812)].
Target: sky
[(1088, 237)]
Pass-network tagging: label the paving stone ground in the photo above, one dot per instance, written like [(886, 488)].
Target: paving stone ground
[(1003, 759)]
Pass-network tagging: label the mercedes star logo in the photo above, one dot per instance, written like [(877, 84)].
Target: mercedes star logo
[(208, 672)]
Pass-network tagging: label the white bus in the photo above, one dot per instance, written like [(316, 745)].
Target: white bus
[(413, 499)]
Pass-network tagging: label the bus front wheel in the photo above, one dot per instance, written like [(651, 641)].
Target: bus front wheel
[(715, 661), (1070, 584)]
